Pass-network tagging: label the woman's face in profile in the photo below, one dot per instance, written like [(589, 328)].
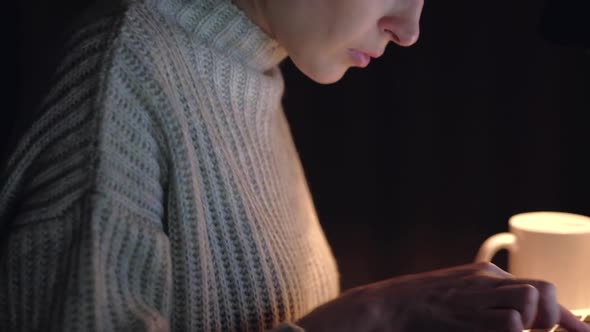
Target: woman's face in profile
[(326, 37)]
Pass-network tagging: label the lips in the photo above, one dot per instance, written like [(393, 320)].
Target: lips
[(360, 59), (374, 55)]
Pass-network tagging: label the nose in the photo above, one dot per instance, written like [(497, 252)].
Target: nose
[(402, 26)]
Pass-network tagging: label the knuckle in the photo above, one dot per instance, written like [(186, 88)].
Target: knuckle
[(530, 295), (547, 315), (545, 322), (491, 270), (548, 289), (486, 266), (552, 317), (512, 321)]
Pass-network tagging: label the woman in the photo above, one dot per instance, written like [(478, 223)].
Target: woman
[(159, 188)]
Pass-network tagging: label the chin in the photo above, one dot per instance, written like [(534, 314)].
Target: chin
[(328, 79), (323, 74)]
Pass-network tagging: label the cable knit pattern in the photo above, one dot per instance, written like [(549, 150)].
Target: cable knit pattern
[(159, 188)]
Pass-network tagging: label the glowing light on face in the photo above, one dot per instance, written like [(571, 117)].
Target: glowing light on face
[(325, 38)]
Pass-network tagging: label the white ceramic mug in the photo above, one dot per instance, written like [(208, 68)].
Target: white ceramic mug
[(551, 246)]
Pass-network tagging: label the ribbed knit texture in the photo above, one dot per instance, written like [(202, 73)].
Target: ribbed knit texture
[(159, 188)]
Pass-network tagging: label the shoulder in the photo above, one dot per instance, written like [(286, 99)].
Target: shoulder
[(89, 133)]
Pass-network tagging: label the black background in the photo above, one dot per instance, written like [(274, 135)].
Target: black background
[(417, 159)]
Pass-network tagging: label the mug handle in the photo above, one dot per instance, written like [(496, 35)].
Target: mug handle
[(493, 244)]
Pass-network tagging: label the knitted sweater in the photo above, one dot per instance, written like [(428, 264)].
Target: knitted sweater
[(159, 188)]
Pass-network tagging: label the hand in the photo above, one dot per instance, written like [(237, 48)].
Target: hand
[(477, 297)]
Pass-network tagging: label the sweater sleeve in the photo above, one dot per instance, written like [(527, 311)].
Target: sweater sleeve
[(86, 249), (96, 267), (82, 213)]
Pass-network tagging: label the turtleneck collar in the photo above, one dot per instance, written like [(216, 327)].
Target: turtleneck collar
[(221, 24)]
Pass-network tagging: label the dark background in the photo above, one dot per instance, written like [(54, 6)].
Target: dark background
[(417, 159)]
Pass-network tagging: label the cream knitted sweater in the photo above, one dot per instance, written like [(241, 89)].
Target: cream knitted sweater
[(159, 188)]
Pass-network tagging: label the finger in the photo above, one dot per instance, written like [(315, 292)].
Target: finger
[(461, 274), (477, 275), (474, 268), (491, 269), (507, 320), (522, 298), (548, 309), (482, 281), (570, 322)]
